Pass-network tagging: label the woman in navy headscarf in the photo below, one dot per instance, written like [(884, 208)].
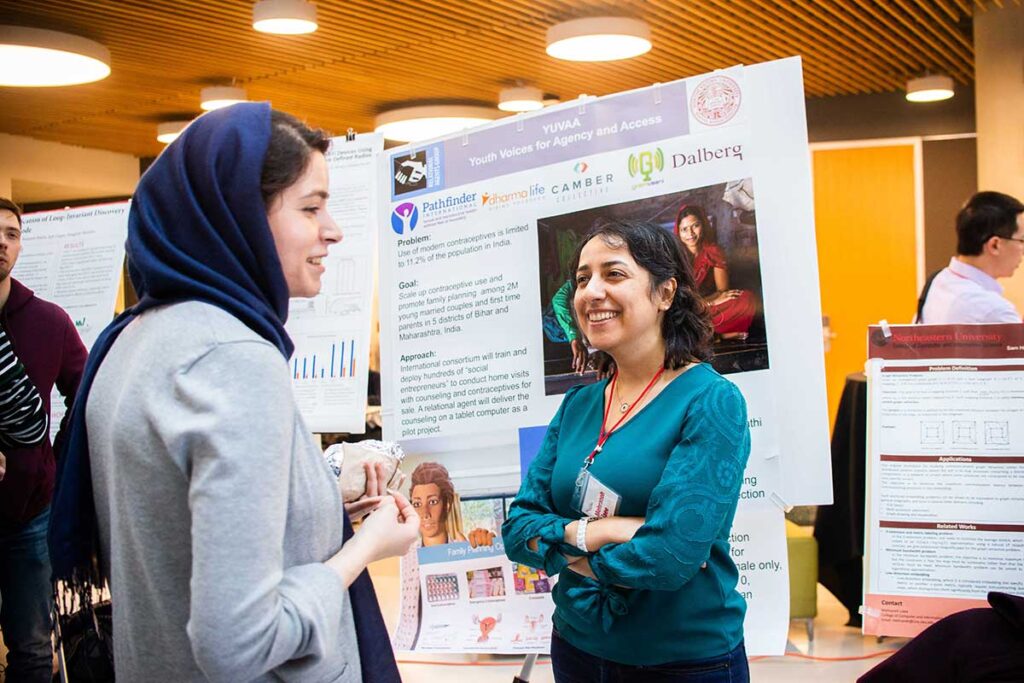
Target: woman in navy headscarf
[(189, 479)]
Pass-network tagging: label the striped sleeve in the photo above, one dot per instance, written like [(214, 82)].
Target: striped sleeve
[(23, 419)]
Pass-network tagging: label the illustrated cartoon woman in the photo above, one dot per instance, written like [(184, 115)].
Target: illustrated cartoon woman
[(432, 494)]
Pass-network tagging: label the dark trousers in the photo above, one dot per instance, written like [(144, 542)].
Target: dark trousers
[(571, 665), (25, 601)]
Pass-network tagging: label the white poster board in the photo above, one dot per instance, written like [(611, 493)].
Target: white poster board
[(481, 225), (945, 476), (331, 331), (74, 258)]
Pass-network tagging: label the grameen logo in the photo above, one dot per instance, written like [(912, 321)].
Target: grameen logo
[(646, 163)]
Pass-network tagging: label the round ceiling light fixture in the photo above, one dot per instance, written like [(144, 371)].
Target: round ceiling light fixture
[(929, 88), (169, 131), (414, 124), (36, 57), (521, 98), (219, 96), (284, 17), (599, 39)]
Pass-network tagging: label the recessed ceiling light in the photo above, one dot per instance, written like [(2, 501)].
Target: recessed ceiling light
[(929, 88), (413, 124), (285, 17), (523, 98), (599, 39), (36, 57), (218, 96), (168, 131)]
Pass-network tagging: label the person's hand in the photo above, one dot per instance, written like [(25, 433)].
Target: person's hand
[(390, 530), (376, 490), (479, 537), (579, 356), (723, 296), (3, 466)]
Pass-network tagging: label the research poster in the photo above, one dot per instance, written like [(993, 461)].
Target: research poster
[(477, 233), (332, 330), (75, 258), (460, 593), (945, 514)]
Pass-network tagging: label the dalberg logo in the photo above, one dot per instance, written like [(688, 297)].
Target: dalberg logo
[(645, 164)]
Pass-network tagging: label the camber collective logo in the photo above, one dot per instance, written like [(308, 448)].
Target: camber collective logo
[(645, 164), (404, 218), (716, 100)]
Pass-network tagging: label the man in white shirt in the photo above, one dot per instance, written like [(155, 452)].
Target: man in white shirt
[(990, 245)]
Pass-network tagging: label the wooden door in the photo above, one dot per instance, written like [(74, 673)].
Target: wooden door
[(865, 209)]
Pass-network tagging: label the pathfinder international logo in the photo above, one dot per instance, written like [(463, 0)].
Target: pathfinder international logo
[(404, 218)]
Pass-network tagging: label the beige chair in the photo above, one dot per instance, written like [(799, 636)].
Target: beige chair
[(803, 575)]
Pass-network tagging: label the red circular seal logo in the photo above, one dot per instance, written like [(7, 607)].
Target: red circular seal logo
[(716, 100)]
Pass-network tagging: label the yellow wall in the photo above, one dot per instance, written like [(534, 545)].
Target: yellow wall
[(864, 211)]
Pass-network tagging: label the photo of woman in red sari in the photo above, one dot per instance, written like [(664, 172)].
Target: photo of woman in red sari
[(732, 310)]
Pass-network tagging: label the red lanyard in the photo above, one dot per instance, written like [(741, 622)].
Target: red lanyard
[(605, 433)]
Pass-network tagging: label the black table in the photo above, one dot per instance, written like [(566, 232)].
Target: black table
[(839, 528)]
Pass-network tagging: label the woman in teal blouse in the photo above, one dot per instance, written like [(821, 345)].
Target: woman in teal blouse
[(632, 496)]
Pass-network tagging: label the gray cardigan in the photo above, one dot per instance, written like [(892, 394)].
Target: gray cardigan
[(216, 509)]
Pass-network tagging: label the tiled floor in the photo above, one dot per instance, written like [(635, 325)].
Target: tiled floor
[(832, 640)]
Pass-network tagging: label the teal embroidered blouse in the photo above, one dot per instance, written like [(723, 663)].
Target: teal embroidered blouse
[(669, 594)]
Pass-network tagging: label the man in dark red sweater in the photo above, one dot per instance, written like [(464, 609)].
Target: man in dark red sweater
[(45, 340)]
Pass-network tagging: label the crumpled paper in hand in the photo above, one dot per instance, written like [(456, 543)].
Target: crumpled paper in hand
[(346, 461)]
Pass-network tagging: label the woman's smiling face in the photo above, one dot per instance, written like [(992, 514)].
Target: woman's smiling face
[(689, 232), (302, 228), (614, 302)]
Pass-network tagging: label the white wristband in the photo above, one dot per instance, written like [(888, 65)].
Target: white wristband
[(581, 534)]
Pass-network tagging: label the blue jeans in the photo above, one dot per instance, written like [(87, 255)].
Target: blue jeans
[(571, 665), (25, 601)]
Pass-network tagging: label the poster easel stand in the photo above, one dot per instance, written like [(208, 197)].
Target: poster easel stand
[(524, 673)]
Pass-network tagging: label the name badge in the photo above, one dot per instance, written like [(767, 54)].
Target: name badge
[(593, 498)]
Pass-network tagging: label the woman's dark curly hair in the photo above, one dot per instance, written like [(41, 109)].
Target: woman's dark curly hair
[(686, 326)]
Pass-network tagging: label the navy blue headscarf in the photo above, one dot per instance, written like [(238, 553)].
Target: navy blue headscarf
[(197, 231)]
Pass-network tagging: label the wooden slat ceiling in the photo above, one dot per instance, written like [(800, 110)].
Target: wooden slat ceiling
[(371, 54)]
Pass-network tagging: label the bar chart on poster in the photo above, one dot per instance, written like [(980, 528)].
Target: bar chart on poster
[(335, 359), (331, 331)]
